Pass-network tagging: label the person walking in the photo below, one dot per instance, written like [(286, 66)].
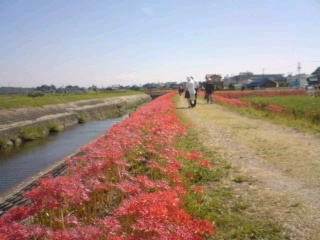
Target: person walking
[(209, 90), (190, 92), (180, 89), (196, 88)]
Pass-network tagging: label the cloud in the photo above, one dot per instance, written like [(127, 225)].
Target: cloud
[(148, 11)]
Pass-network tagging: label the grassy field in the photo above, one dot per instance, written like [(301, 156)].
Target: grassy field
[(300, 112), (293, 104), (20, 101), (291, 108)]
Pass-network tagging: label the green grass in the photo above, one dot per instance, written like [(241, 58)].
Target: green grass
[(32, 133), (3, 143), (19, 101), (303, 112), (296, 105), (53, 128), (234, 216)]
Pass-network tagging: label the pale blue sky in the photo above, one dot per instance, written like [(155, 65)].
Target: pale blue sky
[(85, 42)]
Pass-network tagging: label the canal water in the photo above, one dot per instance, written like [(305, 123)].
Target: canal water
[(22, 162)]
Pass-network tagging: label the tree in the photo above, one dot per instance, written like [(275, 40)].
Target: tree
[(231, 86)]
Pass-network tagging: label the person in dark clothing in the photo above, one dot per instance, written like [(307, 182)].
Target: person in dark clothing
[(180, 89), (209, 88)]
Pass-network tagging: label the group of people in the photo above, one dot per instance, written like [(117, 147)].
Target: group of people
[(191, 88)]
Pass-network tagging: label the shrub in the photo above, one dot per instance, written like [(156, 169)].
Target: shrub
[(3, 143), (81, 119), (36, 94), (32, 133), (53, 128)]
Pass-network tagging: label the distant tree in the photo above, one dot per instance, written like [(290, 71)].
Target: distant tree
[(43, 88), (93, 88), (284, 84), (317, 71), (231, 86), (135, 88), (36, 94)]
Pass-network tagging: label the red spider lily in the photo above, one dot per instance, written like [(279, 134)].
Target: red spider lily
[(19, 231), (158, 213), (198, 189), (16, 214), (205, 164), (109, 225), (145, 182), (189, 175), (267, 93), (194, 156), (100, 182), (128, 188), (275, 108), (83, 233), (231, 101), (180, 190), (60, 192)]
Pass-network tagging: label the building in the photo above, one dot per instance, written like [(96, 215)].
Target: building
[(245, 78), (297, 81), (261, 83), (314, 78), (216, 80)]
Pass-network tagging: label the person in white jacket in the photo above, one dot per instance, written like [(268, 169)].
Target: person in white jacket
[(196, 88), (190, 92)]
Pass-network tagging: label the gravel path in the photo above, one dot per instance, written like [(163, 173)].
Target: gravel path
[(284, 163)]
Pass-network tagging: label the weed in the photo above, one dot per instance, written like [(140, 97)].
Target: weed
[(32, 133), (3, 143), (242, 179), (53, 128), (81, 120)]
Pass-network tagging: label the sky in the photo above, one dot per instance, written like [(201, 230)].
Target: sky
[(133, 42)]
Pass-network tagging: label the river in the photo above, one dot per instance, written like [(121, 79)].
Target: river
[(22, 162)]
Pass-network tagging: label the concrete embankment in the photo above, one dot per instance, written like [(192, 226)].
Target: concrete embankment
[(61, 116)]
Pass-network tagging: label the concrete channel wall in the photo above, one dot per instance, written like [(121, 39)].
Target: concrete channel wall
[(64, 115)]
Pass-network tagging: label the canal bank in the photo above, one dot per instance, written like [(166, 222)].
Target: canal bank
[(61, 116)]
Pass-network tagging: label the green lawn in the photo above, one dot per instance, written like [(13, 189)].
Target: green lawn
[(301, 111), (293, 104), (19, 101)]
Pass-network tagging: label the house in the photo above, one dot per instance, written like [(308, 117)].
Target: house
[(244, 78), (278, 78), (261, 83), (297, 81), (216, 80), (314, 78)]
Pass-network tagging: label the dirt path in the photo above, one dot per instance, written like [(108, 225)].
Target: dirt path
[(284, 164)]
